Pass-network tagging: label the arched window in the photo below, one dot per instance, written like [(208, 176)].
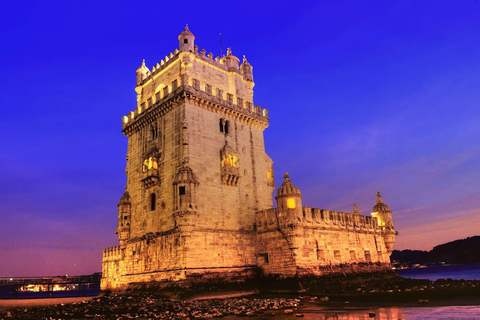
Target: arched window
[(226, 126), (221, 125), (153, 201)]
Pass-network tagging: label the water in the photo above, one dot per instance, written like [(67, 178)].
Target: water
[(465, 272), (314, 312), (389, 313), (6, 293)]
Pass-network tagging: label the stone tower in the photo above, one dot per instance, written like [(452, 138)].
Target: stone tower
[(198, 197), (196, 170)]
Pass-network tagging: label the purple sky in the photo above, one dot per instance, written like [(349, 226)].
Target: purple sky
[(363, 96)]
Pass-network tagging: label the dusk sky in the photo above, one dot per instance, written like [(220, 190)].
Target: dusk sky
[(363, 96)]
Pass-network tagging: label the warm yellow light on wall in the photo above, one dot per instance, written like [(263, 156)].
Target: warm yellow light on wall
[(291, 203), (269, 174)]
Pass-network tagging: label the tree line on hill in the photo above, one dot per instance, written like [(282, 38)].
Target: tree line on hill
[(464, 251)]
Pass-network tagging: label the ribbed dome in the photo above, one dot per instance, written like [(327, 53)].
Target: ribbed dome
[(380, 206), (287, 189), (186, 175)]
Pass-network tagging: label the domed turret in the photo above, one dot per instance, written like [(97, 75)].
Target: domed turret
[(185, 189), (186, 40), (289, 202), (231, 61), (384, 216), (380, 206), (287, 189), (141, 72), (186, 175), (247, 70), (124, 218)]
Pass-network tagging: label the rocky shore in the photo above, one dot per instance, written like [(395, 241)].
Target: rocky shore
[(140, 306), (286, 298)]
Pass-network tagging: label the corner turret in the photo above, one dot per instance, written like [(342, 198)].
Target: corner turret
[(384, 216), (289, 203), (231, 61), (124, 218), (141, 72), (186, 40), (247, 70), (383, 213)]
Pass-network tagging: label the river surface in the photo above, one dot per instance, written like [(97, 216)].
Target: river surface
[(311, 312), (390, 313), (465, 272)]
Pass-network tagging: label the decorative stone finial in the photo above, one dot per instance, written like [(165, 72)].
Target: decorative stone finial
[(186, 27), (229, 51), (286, 176), (379, 198), (355, 209)]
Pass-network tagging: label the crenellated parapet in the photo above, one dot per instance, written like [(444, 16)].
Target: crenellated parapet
[(112, 254), (240, 109), (315, 217)]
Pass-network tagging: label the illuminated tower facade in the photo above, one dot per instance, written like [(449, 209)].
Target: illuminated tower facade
[(196, 170)]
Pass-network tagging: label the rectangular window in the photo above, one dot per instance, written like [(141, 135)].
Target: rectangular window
[(181, 190), (269, 174), (337, 255), (353, 255), (291, 203), (368, 257), (265, 257)]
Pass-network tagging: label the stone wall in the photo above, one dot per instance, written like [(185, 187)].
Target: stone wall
[(319, 243)]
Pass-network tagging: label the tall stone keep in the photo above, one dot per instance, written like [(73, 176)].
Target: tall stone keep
[(198, 197)]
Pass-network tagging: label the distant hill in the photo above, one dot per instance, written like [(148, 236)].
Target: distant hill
[(462, 251)]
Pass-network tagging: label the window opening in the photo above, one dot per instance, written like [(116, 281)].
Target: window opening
[(153, 201), (181, 190), (221, 125), (226, 126)]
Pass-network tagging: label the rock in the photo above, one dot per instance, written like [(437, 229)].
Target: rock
[(298, 315), (288, 311), (422, 301)]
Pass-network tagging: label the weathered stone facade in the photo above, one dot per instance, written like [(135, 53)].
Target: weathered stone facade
[(199, 186)]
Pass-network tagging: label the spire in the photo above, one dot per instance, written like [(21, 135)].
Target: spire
[(286, 176)]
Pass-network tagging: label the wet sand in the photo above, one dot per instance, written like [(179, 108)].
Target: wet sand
[(6, 304)]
